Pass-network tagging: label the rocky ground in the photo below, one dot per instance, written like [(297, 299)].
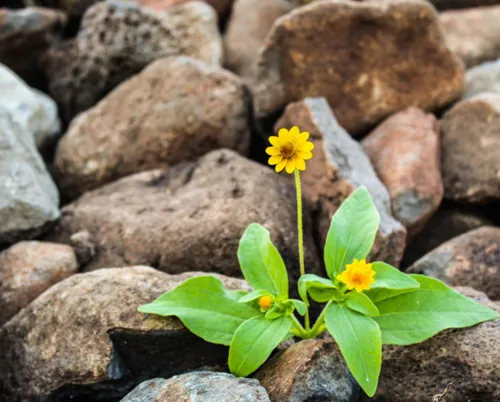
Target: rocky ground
[(132, 139)]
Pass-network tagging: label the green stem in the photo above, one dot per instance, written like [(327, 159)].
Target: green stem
[(300, 331), (316, 329)]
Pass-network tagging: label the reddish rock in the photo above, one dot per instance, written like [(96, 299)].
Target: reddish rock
[(404, 151)]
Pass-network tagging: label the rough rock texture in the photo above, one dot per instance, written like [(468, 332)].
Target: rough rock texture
[(200, 386), (473, 35), (404, 151), (223, 7), (470, 149), (338, 167), (368, 60), (84, 338), (472, 259), (188, 217), (311, 370), (176, 110), (250, 22), (483, 78), (29, 268), (24, 36), (117, 39), (468, 358)]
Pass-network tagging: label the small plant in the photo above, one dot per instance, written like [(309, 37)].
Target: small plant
[(366, 304)]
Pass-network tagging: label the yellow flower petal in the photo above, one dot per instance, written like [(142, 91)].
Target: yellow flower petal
[(280, 166), (274, 160), (306, 146), (272, 151), (294, 132), (304, 155), (302, 138), (300, 164), (283, 133), (274, 141), (290, 166), (358, 275)]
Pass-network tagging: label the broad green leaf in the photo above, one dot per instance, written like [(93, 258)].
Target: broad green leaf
[(389, 277), (300, 306), (417, 315), (352, 232), (205, 308), (358, 337), (424, 282), (260, 261), (256, 294), (361, 303), (309, 283), (236, 294), (254, 342)]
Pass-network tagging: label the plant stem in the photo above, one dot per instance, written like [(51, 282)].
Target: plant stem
[(315, 331), (301, 332)]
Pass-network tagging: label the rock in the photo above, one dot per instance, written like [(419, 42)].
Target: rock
[(337, 168), (188, 217), (470, 144), (29, 268), (223, 7), (472, 34), (202, 386), (453, 4), (84, 338), (404, 151), (176, 110), (248, 26), (310, 370), (31, 109), (30, 199), (117, 39), (25, 35), (483, 78), (368, 60), (467, 357)]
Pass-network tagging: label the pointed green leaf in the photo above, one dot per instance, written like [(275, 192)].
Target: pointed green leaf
[(361, 303), (386, 276), (256, 294), (300, 306), (321, 288)]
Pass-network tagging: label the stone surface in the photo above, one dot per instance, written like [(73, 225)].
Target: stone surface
[(368, 60), (338, 167), (117, 39), (470, 149), (188, 217), (175, 110), (223, 7), (473, 35), (83, 338), (404, 151), (29, 268), (482, 78), (24, 35), (200, 386), (248, 26), (310, 370)]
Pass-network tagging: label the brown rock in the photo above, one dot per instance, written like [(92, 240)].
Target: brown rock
[(404, 151), (223, 7), (337, 168), (368, 60), (470, 145), (447, 4), (84, 337), (117, 39)]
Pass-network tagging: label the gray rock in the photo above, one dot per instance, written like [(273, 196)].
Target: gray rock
[(202, 386), (482, 78)]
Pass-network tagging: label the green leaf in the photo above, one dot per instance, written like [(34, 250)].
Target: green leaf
[(254, 342), (205, 308), (236, 294), (358, 337), (361, 303), (352, 232), (300, 306), (260, 261), (417, 315), (386, 276), (256, 294), (321, 288)]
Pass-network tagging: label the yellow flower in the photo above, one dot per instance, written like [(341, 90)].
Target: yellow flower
[(290, 150), (265, 302), (358, 275)]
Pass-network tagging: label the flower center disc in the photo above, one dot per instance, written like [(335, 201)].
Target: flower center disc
[(287, 150)]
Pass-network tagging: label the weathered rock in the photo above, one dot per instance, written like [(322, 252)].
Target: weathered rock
[(176, 110), (223, 7), (188, 217), (27, 269), (404, 151), (310, 370), (470, 149), (84, 338), (483, 78), (249, 24), (338, 167), (203, 386), (25, 35), (472, 34), (368, 60), (117, 39), (447, 4)]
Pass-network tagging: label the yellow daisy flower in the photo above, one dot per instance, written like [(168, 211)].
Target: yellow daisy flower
[(358, 275), (290, 149)]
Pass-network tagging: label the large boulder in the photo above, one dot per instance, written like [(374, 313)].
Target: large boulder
[(482, 78)]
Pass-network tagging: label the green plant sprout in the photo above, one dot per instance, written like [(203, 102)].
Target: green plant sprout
[(366, 304)]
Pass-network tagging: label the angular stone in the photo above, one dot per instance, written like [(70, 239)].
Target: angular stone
[(202, 386), (310, 370), (117, 39), (482, 78), (84, 338), (368, 60), (29, 268), (404, 151), (176, 110), (338, 167), (470, 149)]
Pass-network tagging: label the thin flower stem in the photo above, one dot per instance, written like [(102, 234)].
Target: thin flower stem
[(300, 331)]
